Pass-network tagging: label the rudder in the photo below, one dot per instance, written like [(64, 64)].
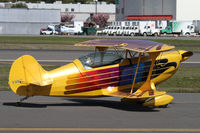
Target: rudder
[(26, 72)]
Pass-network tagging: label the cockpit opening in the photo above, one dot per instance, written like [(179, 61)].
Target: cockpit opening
[(103, 57), (100, 58)]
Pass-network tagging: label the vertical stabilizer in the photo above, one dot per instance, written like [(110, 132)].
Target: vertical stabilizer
[(25, 73)]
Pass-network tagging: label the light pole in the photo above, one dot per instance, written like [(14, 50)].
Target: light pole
[(162, 7), (95, 6)]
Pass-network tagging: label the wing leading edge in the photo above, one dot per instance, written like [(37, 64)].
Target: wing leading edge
[(144, 46)]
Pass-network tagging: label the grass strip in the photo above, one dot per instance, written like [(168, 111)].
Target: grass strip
[(66, 42), (186, 79), (40, 40)]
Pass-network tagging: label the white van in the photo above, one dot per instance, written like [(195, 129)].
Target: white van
[(132, 31), (113, 30)]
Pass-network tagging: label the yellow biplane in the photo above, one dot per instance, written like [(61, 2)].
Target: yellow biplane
[(131, 69)]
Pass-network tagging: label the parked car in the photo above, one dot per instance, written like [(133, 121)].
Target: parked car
[(47, 31)]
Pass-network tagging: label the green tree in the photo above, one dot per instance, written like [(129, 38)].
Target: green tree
[(19, 5), (68, 1), (108, 1)]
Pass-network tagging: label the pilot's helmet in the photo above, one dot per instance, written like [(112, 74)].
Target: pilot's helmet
[(89, 61)]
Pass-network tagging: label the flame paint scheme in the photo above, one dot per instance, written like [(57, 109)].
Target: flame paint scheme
[(131, 70)]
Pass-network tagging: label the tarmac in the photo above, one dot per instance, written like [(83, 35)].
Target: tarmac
[(107, 114)]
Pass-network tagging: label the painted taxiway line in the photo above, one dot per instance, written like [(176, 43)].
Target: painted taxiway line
[(34, 101), (191, 62), (102, 129), (11, 60)]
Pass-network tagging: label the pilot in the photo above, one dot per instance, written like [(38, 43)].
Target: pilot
[(89, 63)]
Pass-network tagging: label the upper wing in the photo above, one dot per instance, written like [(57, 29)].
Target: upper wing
[(102, 43), (144, 46)]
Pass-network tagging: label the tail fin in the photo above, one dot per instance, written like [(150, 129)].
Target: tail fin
[(26, 71)]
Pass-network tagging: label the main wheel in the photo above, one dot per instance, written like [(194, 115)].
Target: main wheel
[(156, 34), (164, 106), (144, 34), (187, 34), (132, 34)]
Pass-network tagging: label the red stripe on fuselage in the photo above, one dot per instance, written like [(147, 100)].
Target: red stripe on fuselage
[(92, 88), (93, 83), (93, 80)]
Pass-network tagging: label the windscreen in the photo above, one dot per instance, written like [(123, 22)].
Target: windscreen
[(98, 59)]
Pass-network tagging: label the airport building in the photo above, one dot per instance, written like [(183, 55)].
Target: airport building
[(81, 11), (17, 21), (39, 15), (179, 10)]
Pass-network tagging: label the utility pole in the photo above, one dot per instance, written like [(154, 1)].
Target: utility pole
[(162, 7), (95, 6)]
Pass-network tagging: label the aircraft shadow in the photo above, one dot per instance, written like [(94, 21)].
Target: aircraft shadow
[(125, 106), (25, 104)]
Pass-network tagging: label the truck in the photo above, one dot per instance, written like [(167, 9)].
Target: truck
[(89, 28), (148, 28), (135, 28), (72, 28), (47, 31), (50, 30), (196, 24), (179, 27)]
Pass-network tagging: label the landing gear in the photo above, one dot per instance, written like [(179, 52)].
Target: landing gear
[(163, 106), (21, 100)]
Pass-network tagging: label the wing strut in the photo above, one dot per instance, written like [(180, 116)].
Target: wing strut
[(148, 85), (138, 63)]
